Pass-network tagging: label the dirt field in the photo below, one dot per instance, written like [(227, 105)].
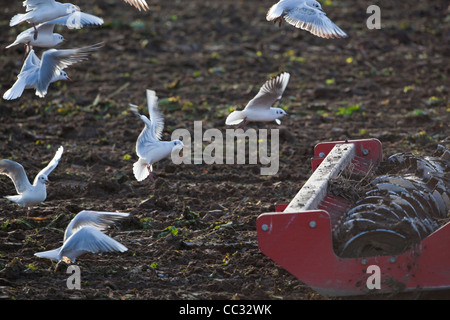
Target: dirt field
[(191, 234)]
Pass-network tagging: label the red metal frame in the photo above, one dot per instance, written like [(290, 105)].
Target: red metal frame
[(301, 243)]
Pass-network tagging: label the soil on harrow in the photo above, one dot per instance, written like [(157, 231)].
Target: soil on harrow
[(192, 234)]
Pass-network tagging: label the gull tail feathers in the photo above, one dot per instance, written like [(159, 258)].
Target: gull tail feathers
[(50, 254), (10, 95), (15, 199), (41, 93), (12, 44), (140, 170), (235, 117), (16, 90)]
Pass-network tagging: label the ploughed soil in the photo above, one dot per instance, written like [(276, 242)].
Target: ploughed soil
[(191, 233)]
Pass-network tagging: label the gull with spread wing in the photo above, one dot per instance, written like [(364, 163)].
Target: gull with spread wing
[(85, 234), (149, 147), (307, 15), (259, 109), (39, 11), (46, 38), (29, 194), (38, 74)]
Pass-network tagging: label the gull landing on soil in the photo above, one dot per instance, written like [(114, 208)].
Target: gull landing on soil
[(85, 234), (29, 194)]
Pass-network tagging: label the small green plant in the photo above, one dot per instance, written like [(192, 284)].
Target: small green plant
[(146, 223), (169, 230), (330, 82), (419, 112), (30, 267), (348, 111), (5, 224), (433, 100)]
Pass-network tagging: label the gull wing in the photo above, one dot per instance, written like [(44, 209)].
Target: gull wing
[(313, 20), (43, 28), (97, 219), (52, 164), (270, 92), (154, 125), (139, 4), (90, 239), (156, 118), (16, 173), (54, 60), (77, 20), (146, 138), (33, 4), (27, 76)]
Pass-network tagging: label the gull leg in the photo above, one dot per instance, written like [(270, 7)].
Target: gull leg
[(151, 173), (64, 262), (35, 32), (27, 50), (279, 19), (40, 218), (242, 125)]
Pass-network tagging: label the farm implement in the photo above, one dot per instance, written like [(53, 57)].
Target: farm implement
[(363, 225)]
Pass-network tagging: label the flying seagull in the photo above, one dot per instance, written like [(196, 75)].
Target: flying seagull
[(38, 74), (149, 147), (39, 11), (307, 15), (46, 38), (259, 109)]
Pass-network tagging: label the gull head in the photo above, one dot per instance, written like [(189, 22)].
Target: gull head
[(63, 76), (177, 144), (42, 179), (279, 113), (57, 39), (315, 4), (71, 8)]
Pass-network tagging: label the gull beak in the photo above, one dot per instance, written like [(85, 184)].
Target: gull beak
[(68, 79)]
